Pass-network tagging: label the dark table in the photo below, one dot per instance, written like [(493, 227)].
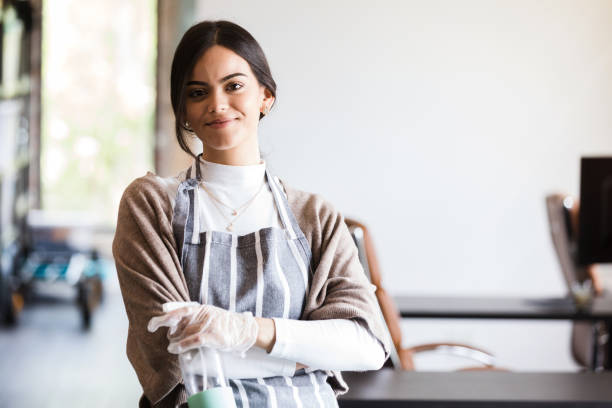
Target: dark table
[(512, 308), (501, 308), (479, 389)]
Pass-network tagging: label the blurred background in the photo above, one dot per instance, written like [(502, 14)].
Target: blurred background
[(442, 125)]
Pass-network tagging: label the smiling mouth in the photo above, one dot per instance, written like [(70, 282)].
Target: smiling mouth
[(219, 122)]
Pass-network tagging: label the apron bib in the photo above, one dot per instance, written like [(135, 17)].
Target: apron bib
[(266, 272)]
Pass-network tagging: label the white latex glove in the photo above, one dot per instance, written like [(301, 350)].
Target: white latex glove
[(194, 325)]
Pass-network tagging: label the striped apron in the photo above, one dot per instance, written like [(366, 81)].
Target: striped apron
[(265, 272)]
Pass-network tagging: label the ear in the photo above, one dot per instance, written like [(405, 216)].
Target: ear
[(268, 98)]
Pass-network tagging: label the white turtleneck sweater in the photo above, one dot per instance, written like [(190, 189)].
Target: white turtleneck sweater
[(336, 344)]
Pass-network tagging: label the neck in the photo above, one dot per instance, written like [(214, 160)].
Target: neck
[(245, 154)]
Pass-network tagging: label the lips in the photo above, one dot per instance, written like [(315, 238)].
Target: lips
[(219, 121)]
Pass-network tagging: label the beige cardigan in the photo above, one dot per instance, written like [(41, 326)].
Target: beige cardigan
[(150, 274)]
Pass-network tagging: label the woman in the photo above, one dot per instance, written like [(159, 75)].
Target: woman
[(264, 272)]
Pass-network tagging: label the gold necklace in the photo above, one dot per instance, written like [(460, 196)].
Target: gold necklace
[(237, 212), (234, 211)]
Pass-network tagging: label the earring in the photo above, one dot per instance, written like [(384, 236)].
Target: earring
[(188, 127), (266, 110)]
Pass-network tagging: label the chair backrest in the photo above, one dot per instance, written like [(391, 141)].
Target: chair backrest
[(563, 221), (563, 213), (369, 261)]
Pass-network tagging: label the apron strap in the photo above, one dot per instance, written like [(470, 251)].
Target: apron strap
[(286, 215), (198, 171), (197, 167), (192, 220)]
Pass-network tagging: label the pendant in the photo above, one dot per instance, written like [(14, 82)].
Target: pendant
[(229, 227), (235, 212)]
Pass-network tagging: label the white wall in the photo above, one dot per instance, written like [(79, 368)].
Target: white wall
[(441, 124)]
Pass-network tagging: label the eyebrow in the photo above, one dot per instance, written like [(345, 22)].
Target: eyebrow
[(225, 78)]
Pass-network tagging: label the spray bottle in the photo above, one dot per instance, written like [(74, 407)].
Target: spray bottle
[(204, 379)]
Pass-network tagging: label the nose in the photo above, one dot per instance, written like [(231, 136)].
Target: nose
[(218, 101)]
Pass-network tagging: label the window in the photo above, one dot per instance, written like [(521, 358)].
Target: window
[(98, 102)]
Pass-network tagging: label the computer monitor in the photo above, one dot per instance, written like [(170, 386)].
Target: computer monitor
[(595, 219)]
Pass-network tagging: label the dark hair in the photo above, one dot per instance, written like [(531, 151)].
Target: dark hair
[(195, 42)]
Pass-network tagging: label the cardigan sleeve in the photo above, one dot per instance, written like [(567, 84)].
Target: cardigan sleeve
[(149, 275)]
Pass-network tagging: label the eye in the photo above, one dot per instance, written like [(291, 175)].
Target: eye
[(196, 93), (234, 86)]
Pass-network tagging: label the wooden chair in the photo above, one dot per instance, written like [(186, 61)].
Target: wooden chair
[(402, 358)]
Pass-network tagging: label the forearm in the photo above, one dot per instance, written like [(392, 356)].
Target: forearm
[(336, 344)]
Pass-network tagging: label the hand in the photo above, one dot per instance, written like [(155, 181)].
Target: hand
[(195, 325)]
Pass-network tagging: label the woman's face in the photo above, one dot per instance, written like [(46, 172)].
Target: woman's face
[(223, 103)]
